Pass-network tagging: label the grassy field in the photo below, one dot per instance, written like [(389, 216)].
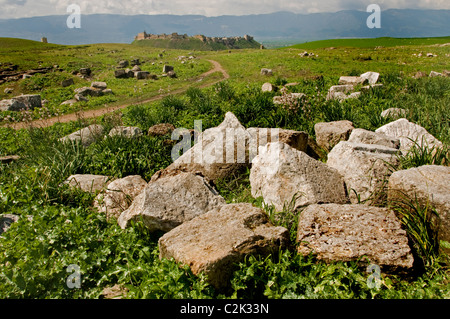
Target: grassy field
[(370, 43), (65, 229)]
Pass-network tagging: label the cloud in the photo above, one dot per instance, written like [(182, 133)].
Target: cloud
[(24, 8)]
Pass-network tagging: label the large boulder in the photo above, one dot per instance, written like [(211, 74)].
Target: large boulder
[(328, 134), (409, 133), (12, 105), (89, 183), (161, 129), (281, 173), (31, 101), (219, 151), (354, 233), (363, 136), (21, 102), (429, 185), (119, 195), (365, 168), (169, 201), (215, 242), (262, 136), (86, 136)]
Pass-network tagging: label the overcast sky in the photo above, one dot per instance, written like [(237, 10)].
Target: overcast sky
[(29, 8)]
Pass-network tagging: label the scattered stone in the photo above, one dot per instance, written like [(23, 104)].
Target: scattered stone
[(430, 186), (265, 71), (328, 134), (219, 152), (136, 68), (371, 77), (123, 64), (89, 183), (114, 292), (86, 136), (289, 99), (71, 101), (9, 159), (126, 131), (420, 74), (135, 62), (261, 136), (435, 74), (31, 101), (339, 91), (371, 87), (99, 85), (365, 168), (268, 87), (6, 220), (362, 136), (214, 243), (281, 174), (12, 105), (409, 133), (88, 91), (167, 68), (306, 54), (120, 74), (171, 74), (368, 235), (67, 82), (353, 80), (169, 201), (119, 195), (394, 112), (141, 75), (26, 76), (161, 129), (85, 71), (8, 90)]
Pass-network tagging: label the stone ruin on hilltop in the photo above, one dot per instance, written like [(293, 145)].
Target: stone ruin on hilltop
[(175, 36)]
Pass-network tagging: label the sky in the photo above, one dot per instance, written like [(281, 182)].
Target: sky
[(29, 8)]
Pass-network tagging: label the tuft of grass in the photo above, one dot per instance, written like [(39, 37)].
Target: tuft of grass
[(421, 222), (422, 154)]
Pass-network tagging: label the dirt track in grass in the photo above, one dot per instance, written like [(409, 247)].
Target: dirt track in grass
[(99, 112)]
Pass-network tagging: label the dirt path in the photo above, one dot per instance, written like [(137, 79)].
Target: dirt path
[(99, 112)]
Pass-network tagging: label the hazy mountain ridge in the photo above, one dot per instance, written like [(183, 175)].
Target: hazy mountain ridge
[(106, 28)]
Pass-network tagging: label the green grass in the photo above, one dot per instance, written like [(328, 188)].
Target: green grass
[(65, 229), (370, 42)]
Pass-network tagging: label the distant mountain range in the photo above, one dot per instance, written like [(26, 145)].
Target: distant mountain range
[(108, 28)]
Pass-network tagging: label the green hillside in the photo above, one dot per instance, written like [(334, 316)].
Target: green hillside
[(23, 44), (195, 44), (368, 43)]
